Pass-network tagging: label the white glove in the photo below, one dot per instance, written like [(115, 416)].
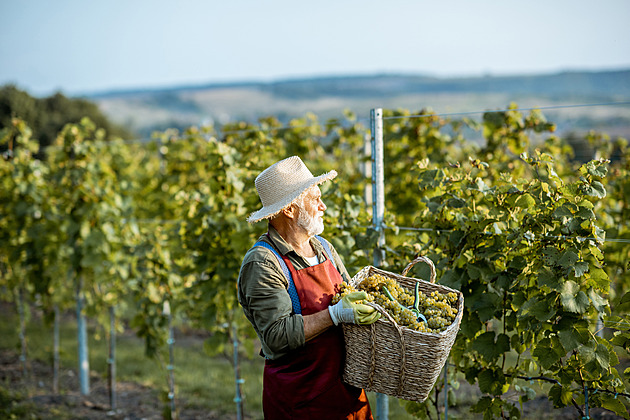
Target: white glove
[(348, 311)]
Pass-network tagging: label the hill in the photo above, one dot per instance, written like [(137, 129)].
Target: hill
[(146, 110)]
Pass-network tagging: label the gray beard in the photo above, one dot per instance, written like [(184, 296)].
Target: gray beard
[(312, 225)]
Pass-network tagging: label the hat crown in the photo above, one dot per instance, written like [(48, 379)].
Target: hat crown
[(282, 178)]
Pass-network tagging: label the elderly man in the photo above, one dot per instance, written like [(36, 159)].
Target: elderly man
[(285, 286)]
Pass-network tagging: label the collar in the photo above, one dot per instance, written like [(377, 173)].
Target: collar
[(283, 246)]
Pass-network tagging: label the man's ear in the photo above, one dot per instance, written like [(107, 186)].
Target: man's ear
[(291, 211)]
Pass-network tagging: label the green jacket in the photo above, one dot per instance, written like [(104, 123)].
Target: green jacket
[(262, 292)]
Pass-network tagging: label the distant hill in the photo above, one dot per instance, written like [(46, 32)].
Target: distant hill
[(145, 110)]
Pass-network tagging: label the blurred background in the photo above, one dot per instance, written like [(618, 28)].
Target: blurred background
[(151, 65)]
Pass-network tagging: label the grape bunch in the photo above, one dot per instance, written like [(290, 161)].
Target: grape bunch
[(412, 309)]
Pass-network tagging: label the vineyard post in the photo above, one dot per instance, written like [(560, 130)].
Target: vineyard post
[(20, 307), (238, 399), (366, 168), (84, 364), (378, 212), (171, 360), (111, 360), (56, 349)]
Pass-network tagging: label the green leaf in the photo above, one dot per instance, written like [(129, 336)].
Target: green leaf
[(550, 255), (490, 350), (573, 299), (482, 405), (456, 203), (609, 402), (546, 277), (557, 395), (545, 353), (602, 356), (492, 382), (570, 339), (597, 169), (598, 302), (452, 279), (568, 259), (585, 213), (525, 201), (431, 178), (595, 189), (580, 268), (540, 308)]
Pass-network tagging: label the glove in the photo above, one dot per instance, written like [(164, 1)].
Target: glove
[(348, 311)]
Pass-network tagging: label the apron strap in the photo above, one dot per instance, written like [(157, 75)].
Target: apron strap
[(327, 249), (295, 300)]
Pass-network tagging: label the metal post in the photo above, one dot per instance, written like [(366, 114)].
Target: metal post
[(84, 363), (378, 212), (238, 399), (56, 350), (366, 168), (171, 359), (378, 183), (20, 307), (111, 360), (446, 390)]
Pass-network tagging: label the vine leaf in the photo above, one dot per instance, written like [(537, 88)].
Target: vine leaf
[(573, 299)]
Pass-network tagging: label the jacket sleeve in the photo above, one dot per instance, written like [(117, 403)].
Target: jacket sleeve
[(266, 303)]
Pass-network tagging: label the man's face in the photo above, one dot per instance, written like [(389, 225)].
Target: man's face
[(311, 212)]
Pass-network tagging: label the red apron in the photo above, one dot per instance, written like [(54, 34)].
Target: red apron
[(307, 383)]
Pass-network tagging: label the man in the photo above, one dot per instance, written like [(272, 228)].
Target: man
[(285, 286)]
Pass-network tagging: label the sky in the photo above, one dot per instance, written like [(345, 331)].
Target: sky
[(91, 46)]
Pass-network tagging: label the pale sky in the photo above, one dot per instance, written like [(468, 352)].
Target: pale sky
[(88, 46)]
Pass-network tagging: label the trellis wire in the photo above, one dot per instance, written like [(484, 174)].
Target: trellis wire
[(337, 120), (541, 108)]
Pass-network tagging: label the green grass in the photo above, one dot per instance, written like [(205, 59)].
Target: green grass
[(201, 381)]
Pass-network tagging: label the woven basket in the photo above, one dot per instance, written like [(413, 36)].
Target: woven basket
[(393, 360)]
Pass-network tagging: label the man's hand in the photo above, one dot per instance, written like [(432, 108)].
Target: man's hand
[(348, 311)]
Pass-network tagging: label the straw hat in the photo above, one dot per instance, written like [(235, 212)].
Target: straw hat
[(283, 183)]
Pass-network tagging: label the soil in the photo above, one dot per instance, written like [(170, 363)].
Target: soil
[(33, 398)]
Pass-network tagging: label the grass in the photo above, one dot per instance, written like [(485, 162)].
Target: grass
[(202, 382)]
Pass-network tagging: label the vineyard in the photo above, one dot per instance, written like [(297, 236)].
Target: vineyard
[(147, 237)]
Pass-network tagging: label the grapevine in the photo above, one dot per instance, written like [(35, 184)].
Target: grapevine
[(431, 313)]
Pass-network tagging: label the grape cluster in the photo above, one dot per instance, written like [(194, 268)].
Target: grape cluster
[(438, 309)]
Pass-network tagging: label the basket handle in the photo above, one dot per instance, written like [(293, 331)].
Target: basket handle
[(423, 259)]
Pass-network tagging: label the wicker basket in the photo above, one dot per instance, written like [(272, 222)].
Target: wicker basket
[(393, 360)]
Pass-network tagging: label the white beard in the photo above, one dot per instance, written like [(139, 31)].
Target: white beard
[(312, 225)]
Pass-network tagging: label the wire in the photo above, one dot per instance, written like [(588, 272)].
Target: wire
[(338, 120), (563, 237), (452, 114)]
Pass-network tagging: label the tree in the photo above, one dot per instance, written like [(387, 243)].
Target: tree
[(47, 116)]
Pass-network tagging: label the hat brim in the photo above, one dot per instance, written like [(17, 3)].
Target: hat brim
[(272, 210)]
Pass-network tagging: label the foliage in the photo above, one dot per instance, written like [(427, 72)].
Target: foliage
[(516, 226), (47, 116)]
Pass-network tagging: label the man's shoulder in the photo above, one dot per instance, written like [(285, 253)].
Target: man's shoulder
[(259, 253)]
